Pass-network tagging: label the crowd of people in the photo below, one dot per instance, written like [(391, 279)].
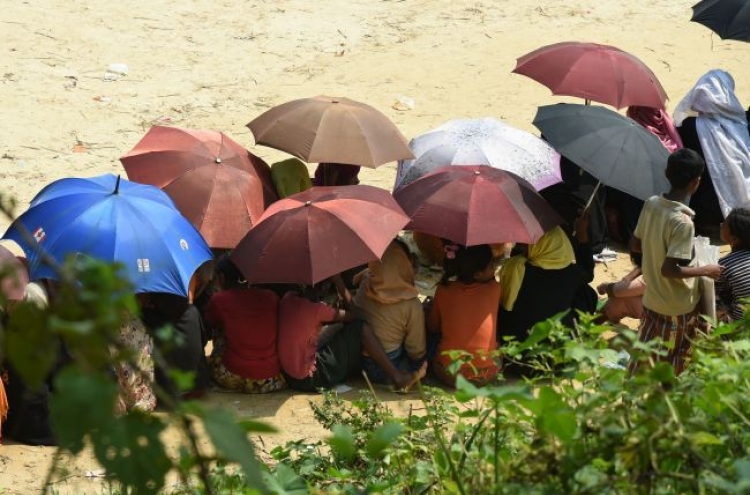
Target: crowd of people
[(268, 338)]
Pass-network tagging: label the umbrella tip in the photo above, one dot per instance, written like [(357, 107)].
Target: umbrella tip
[(117, 186), (218, 160), (308, 203)]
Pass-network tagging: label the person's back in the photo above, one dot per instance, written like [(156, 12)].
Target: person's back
[(664, 235), (248, 321), (547, 281), (464, 313), (300, 322), (290, 177)]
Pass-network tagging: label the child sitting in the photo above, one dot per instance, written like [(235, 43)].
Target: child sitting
[(464, 313)]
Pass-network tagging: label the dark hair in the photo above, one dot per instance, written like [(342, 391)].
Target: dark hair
[(636, 258), (232, 275), (466, 262), (684, 166), (738, 222)]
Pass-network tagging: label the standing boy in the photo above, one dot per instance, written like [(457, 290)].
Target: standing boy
[(664, 235)]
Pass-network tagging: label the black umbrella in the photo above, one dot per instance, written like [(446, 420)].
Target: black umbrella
[(730, 19), (615, 149)]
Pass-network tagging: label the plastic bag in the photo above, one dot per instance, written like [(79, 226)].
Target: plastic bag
[(706, 254)]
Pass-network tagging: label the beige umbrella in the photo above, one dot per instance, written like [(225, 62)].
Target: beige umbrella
[(324, 129)]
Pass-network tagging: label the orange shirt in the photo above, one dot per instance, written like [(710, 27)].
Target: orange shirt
[(466, 315)]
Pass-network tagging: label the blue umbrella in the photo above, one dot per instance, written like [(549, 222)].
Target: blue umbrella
[(115, 221)]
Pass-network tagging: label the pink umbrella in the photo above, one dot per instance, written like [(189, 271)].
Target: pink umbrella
[(594, 72)]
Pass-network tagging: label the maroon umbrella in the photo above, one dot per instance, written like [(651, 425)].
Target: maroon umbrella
[(595, 72), (476, 204), (13, 276), (215, 182), (309, 236)]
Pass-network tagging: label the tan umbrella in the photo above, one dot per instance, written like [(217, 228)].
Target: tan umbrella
[(324, 129)]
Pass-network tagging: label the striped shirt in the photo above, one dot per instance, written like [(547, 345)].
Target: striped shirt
[(734, 282)]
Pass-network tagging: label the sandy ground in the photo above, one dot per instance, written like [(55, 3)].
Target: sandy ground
[(217, 65)]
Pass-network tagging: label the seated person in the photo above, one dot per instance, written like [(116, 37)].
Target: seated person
[(336, 174), (321, 346), (388, 302), (548, 278), (464, 314), (245, 328), (136, 386), (290, 177), (733, 285), (185, 351), (625, 297)]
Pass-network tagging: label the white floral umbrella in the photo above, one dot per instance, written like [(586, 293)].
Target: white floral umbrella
[(486, 141)]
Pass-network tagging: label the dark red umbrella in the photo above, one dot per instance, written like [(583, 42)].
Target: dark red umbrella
[(476, 204), (309, 236), (215, 182), (13, 275), (594, 72)]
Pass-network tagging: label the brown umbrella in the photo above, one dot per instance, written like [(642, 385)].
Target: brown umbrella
[(476, 204), (331, 130), (309, 236), (215, 182), (13, 274)]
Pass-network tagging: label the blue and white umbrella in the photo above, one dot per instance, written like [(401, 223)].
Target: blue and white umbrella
[(113, 220)]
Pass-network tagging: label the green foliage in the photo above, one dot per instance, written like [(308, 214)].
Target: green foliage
[(581, 425)]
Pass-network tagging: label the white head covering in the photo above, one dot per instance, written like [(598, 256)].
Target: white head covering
[(721, 124)]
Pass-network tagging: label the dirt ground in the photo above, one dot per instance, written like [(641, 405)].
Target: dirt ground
[(217, 65)]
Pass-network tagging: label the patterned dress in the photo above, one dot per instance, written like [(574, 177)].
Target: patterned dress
[(136, 386)]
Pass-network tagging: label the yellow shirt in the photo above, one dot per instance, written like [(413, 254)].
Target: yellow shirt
[(666, 230)]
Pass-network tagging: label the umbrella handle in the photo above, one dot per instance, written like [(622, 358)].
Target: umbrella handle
[(591, 198)]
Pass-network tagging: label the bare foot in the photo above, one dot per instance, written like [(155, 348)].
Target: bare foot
[(404, 380)]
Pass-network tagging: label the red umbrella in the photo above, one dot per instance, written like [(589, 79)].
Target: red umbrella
[(309, 236), (13, 275), (215, 182), (595, 72), (476, 204)]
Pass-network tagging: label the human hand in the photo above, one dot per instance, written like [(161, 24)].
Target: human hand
[(712, 271), (581, 226), (601, 289)]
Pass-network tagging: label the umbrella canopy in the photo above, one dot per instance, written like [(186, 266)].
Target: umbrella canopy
[(13, 276), (476, 205), (615, 149), (484, 141), (312, 235), (730, 19), (595, 72), (323, 129), (211, 179), (114, 221)]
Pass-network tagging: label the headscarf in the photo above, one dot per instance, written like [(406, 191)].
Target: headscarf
[(552, 251), (290, 177), (343, 173), (659, 123), (721, 124), (390, 279)]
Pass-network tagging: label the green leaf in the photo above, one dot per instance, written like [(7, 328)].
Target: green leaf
[(82, 403), (130, 449), (251, 426), (382, 438), (31, 346), (705, 438), (231, 441), (342, 442), (555, 416), (284, 481), (663, 372)]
